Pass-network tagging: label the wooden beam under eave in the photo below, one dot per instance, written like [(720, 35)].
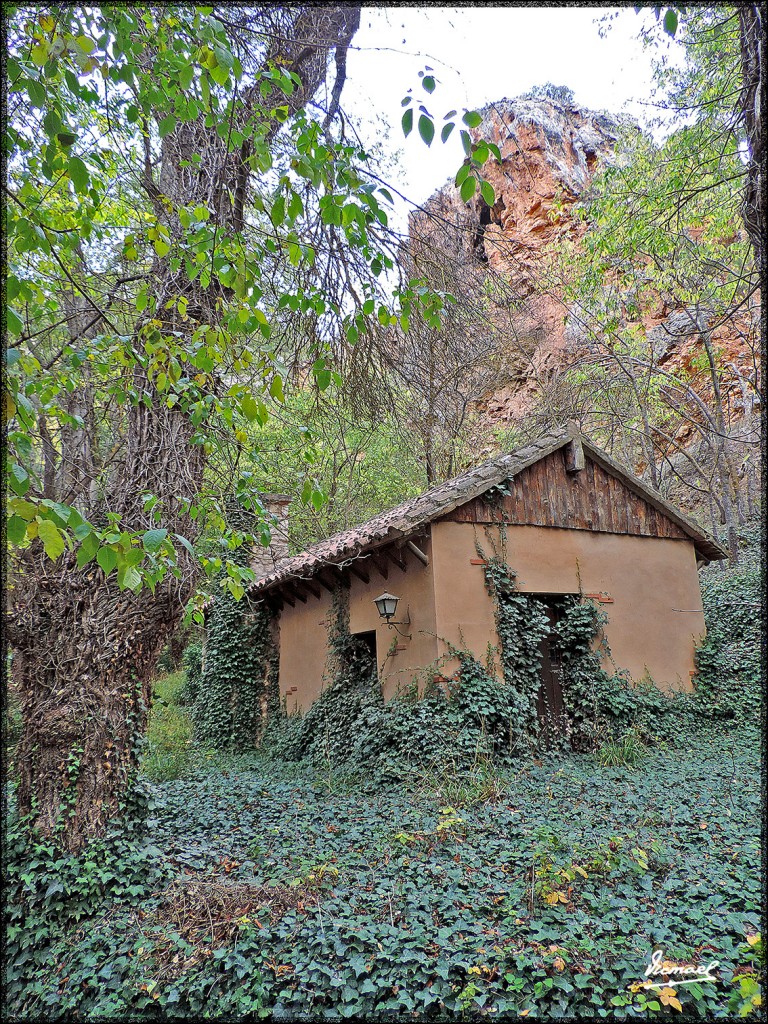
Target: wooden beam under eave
[(381, 565), (361, 574), (324, 582), (395, 559), (574, 455), (295, 588), (285, 596), (315, 591)]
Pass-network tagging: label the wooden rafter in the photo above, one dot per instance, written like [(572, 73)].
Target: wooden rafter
[(396, 558), (322, 579), (381, 565), (360, 572), (310, 586), (296, 590)]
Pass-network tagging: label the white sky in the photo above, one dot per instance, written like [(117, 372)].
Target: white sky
[(481, 54)]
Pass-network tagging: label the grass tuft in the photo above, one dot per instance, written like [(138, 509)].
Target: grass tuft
[(626, 752)]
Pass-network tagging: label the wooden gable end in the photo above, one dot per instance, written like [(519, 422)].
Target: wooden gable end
[(546, 494)]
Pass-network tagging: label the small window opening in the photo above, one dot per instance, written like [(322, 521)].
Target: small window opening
[(368, 638)]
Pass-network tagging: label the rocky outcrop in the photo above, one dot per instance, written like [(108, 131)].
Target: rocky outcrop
[(550, 150)]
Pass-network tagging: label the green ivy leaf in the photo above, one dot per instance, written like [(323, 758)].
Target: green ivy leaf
[(486, 191), (472, 119), (407, 122)]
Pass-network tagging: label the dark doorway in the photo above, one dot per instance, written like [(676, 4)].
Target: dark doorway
[(549, 702)]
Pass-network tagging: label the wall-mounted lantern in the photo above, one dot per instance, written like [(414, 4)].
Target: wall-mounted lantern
[(387, 606)]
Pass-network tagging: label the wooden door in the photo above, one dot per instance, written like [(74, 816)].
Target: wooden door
[(549, 703)]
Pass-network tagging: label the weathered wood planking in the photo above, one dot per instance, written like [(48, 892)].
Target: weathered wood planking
[(545, 494)]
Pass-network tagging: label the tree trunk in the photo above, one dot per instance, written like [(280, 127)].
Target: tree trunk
[(752, 37), (84, 652)]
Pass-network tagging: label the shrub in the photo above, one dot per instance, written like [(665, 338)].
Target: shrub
[(728, 663), (192, 661)]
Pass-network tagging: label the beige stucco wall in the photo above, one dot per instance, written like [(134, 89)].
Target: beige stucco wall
[(303, 650), (304, 631), (399, 659), (654, 584)]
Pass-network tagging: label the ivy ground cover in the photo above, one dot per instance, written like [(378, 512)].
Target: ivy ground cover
[(276, 891)]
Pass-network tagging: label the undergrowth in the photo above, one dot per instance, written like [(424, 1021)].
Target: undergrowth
[(267, 894)]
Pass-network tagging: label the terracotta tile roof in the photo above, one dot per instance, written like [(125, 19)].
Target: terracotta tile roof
[(411, 515)]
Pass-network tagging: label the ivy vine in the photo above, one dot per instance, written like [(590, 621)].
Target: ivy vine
[(238, 676), (489, 709)]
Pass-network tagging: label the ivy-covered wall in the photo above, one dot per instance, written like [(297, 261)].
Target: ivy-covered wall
[(304, 630), (239, 674), (654, 608), (485, 709)]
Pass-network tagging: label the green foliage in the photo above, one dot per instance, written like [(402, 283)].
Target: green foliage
[(332, 731), (625, 752), (327, 905), (51, 897), (521, 624), (346, 453), (450, 781), (170, 89), (192, 660), (240, 667), (728, 663), (748, 997), (458, 728), (477, 151)]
